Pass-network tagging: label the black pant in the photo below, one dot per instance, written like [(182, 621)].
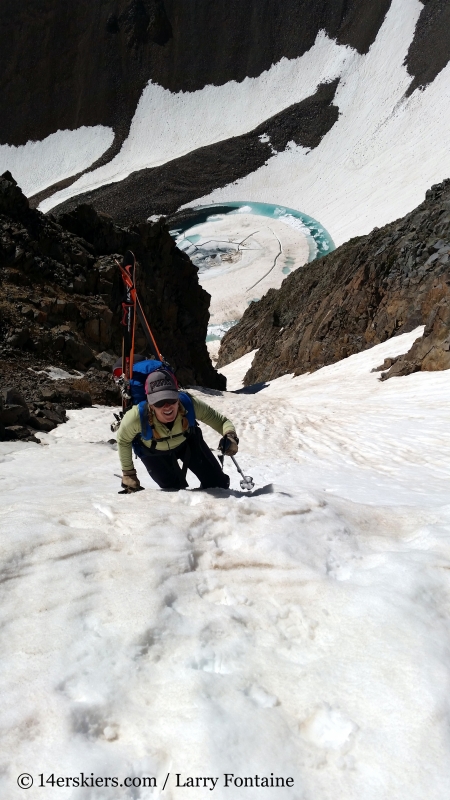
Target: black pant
[(163, 465)]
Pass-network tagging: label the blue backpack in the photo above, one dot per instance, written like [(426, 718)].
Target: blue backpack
[(141, 370)]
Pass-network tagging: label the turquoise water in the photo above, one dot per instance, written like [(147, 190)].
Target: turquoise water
[(217, 331), (319, 240), (289, 262)]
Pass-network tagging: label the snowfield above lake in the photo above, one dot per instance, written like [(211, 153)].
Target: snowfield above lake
[(36, 165), (373, 166), (168, 125), (301, 630), (380, 157)]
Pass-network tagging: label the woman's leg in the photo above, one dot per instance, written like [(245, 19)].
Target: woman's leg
[(163, 468), (204, 464)]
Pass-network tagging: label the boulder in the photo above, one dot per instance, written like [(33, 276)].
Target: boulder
[(22, 433), (13, 408), (11, 396), (53, 416), (105, 361), (11, 414), (7, 434), (42, 423), (80, 398), (49, 395), (19, 339), (78, 352)]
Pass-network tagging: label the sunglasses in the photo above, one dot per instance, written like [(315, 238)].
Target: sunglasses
[(162, 403)]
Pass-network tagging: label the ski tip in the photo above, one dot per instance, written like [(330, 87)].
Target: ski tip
[(128, 259)]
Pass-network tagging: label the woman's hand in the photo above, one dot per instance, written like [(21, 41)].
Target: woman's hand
[(229, 444), (130, 480)]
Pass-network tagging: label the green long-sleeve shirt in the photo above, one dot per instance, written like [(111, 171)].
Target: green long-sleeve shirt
[(130, 427)]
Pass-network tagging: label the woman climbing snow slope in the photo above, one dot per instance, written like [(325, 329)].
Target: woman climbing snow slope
[(165, 430)]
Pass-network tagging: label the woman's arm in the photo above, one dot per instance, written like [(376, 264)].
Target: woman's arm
[(129, 429)]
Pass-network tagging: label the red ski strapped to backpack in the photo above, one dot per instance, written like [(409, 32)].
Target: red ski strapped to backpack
[(123, 370), (131, 309)]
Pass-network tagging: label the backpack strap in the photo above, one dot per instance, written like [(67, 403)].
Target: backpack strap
[(146, 428), (188, 412), (189, 408)]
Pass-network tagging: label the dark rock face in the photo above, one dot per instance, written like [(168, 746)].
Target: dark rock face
[(163, 189), (368, 290), (429, 52), (86, 63), (61, 295)]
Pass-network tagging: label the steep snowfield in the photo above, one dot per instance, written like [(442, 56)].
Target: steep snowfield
[(373, 166), (36, 165), (385, 150), (302, 630), (167, 126)]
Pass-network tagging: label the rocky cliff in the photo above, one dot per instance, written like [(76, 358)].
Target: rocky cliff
[(369, 289), (61, 293)]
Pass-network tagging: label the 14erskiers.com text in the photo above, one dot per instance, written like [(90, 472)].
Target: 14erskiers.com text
[(181, 781)]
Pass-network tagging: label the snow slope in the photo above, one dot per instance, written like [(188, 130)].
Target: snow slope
[(373, 166), (302, 630), (36, 165), (385, 150), (167, 126)]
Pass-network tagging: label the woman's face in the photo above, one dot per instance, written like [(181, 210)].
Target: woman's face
[(167, 412)]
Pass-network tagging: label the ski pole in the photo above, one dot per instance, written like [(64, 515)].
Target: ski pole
[(247, 481)]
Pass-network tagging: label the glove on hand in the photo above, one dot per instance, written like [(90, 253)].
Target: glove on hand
[(130, 480), (229, 444)]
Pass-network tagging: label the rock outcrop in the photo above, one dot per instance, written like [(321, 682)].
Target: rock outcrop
[(61, 294), (368, 290), (430, 352), (20, 420)]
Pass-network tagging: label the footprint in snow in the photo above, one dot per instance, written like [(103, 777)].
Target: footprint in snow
[(329, 729), (222, 596), (262, 698), (91, 722), (105, 510)]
